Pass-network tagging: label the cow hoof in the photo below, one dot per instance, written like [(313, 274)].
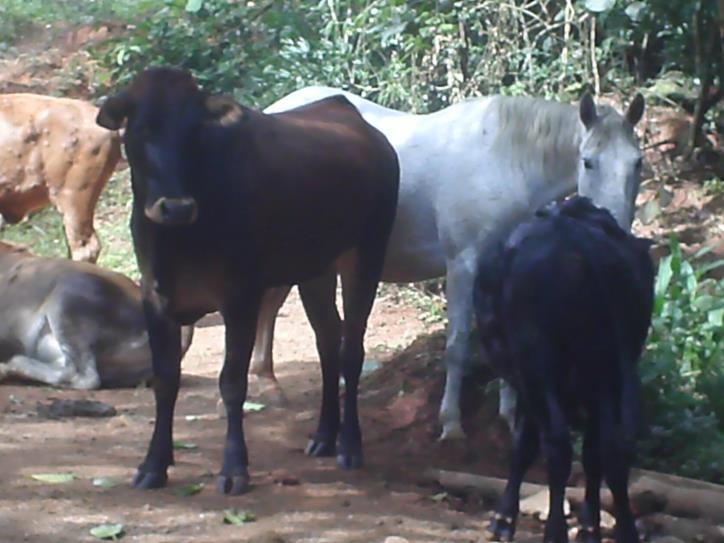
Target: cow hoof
[(233, 485), (501, 528), (349, 460), (149, 479), (320, 447), (586, 534)]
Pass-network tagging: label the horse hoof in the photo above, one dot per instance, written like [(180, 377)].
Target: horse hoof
[(501, 529), (149, 479), (233, 485), (349, 461), (452, 431), (319, 447)]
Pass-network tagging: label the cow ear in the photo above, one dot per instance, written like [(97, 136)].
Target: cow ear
[(114, 111), (587, 110), (223, 110), (635, 110)]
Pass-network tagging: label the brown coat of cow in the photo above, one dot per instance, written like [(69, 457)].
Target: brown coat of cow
[(71, 324), (52, 152)]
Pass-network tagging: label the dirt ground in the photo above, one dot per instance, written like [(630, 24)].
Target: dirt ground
[(295, 498)]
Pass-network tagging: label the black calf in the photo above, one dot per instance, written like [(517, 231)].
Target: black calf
[(563, 309)]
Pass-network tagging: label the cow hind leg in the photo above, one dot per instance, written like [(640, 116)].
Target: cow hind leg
[(589, 518), (318, 298), (526, 445), (556, 444), (615, 455)]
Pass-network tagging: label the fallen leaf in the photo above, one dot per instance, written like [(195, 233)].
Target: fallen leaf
[(185, 445), (237, 518), (107, 531), (54, 478), (253, 407), (103, 482), (189, 489)]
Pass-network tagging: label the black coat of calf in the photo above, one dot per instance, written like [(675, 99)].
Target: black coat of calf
[(563, 309), (227, 202)]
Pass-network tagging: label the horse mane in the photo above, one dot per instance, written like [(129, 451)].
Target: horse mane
[(542, 134)]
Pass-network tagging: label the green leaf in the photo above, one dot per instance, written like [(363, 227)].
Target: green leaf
[(716, 317), (649, 211), (54, 478), (107, 531), (237, 518), (184, 445), (253, 407), (104, 482), (194, 6), (191, 418), (597, 6), (189, 489)]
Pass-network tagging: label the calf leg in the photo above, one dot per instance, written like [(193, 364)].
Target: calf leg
[(164, 338), (590, 515), (240, 323), (556, 444), (615, 454), (525, 449), (318, 297)]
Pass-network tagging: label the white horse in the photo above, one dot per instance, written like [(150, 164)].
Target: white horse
[(469, 174)]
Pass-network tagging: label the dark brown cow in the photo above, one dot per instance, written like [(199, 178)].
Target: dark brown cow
[(52, 152), (229, 202), (70, 324)]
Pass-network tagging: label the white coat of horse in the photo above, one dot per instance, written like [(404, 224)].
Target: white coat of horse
[(469, 174)]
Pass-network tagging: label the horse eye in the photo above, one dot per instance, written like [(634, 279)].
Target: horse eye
[(588, 163)]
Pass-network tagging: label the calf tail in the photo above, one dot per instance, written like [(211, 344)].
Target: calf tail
[(486, 301)]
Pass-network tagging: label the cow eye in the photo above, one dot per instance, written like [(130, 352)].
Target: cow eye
[(588, 163), (638, 163)]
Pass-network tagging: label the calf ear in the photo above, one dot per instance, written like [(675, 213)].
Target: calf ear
[(223, 110), (635, 110), (587, 110), (114, 111)]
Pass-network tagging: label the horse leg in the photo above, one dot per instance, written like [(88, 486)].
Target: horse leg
[(164, 337), (525, 449), (589, 519), (318, 298), (240, 323), (459, 293), (262, 361)]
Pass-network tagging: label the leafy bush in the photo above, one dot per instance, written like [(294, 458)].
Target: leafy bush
[(683, 370)]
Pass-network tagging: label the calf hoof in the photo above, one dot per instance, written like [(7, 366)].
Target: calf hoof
[(349, 460), (501, 528), (588, 534), (149, 479), (320, 447), (233, 485)]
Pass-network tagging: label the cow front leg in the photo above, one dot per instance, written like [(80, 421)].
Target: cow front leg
[(164, 337), (240, 322)]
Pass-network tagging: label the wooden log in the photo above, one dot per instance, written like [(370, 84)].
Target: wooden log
[(681, 501), (676, 480)]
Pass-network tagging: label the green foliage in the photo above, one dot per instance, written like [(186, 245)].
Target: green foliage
[(683, 370)]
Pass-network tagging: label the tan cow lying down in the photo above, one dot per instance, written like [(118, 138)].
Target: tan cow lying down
[(52, 151), (71, 324)]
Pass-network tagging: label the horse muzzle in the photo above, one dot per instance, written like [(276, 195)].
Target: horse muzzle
[(173, 211)]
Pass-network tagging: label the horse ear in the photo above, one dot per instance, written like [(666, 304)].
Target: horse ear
[(587, 110), (114, 111), (635, 110), (223, 110)]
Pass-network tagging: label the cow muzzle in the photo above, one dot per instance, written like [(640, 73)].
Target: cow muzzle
[(173, 211)]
